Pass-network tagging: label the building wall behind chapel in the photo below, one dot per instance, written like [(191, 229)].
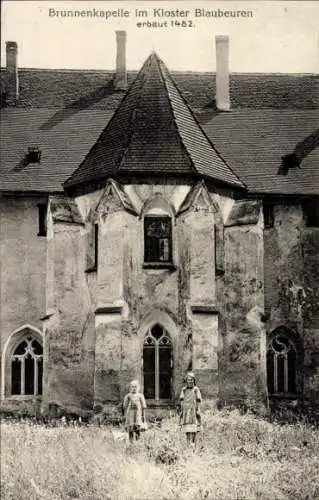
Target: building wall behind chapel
[(291, 288), (23, 265), (69, 329), (242, 377), (96, 321)]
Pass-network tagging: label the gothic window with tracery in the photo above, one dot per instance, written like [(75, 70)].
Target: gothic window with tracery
[(157, 364), (27, 368), (281, 365)]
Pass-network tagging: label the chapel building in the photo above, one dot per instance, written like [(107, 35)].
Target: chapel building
[(158, 222)]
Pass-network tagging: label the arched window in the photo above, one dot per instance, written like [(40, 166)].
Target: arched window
[(27, 368), (157, 239), (157, 231), (157, 364), (281, 364)]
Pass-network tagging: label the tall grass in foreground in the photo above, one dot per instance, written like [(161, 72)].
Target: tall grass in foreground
[(238, 457)]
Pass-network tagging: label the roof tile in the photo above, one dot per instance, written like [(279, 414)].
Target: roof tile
[(65, 112), (153, 131), (87, 88)]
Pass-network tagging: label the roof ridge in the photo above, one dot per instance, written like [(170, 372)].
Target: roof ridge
[(198, 125), (176, 71), (68, 181), (160, 62), (132, 118)]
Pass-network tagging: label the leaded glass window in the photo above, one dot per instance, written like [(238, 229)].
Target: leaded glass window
[(157, 239), (281, 365), (27, 368), (157, 364)]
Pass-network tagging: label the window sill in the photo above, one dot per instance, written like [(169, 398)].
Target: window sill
[(22, 397), (283, 396), (91, 270), (159, 265), (219, 272)]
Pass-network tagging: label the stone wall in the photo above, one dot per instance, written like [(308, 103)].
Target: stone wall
[(242, 377), (69, 327), (130, 297), (231, 283), (310, 308), (23, 265), (291, 288), (199, 288)]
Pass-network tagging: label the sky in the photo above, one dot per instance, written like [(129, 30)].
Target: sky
[(278, 37)]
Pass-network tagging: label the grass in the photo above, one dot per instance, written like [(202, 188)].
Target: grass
[(237, 457)]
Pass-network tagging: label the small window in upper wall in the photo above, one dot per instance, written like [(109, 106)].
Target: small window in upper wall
[(311, 212), (157, 239), (96, 244), (92, 250), (42, 219), (268, 210)]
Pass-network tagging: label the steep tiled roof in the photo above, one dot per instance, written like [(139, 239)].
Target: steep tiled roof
[(153, 131), (254, 141), (63, 142), (64, 113), (82, 88)]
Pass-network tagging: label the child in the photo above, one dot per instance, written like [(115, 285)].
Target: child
[(190, 418), (134, 411)]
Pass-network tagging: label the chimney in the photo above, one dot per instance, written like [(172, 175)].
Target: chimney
[(120, 79), (12, 80), (222, 73)]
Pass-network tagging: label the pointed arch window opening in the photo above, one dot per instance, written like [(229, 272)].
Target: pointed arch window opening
[(157, 364), (27, 368), (281, 365)]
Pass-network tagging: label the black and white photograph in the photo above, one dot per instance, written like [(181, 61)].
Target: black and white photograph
[(159, 250)]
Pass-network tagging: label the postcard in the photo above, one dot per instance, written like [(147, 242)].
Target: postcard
[(159, 222)]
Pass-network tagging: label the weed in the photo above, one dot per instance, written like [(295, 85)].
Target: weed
[(238, 457)]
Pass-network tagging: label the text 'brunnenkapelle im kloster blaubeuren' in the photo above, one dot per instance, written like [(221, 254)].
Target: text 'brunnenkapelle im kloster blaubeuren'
[(153, 17)]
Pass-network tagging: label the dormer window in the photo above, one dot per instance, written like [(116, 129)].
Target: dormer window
[(33, 155)]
